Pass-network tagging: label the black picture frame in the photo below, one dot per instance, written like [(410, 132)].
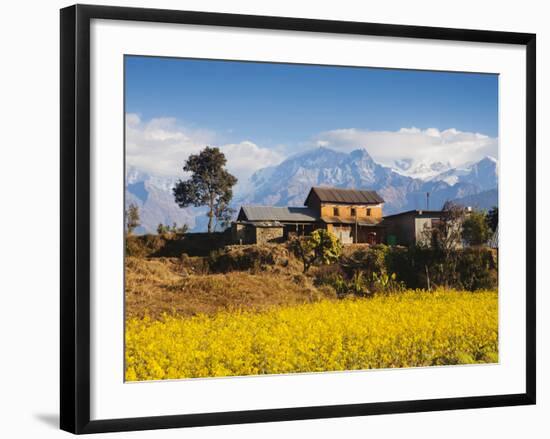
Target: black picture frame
[(75, 217)]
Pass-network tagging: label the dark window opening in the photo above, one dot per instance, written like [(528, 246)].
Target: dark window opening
[(368, 212), (336, 211), (353, 211)]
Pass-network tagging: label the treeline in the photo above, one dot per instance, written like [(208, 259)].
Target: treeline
[(470, 268), (385, 269)]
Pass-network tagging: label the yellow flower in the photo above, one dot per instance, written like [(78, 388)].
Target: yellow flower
[(411, 329)]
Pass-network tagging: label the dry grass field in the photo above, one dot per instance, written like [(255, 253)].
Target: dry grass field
[(162, 286)]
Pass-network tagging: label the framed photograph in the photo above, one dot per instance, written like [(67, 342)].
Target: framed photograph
[(268, 219)]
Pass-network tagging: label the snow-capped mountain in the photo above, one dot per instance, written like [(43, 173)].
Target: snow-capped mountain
[(424, 170), (288, 184), (483, 174)]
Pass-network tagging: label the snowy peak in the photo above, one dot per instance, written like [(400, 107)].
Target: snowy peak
[(289, 182), (421, 169), (483, 173), (361, 155)]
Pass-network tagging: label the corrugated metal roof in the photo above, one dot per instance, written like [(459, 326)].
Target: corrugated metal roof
[(338, 195), (283, 214)]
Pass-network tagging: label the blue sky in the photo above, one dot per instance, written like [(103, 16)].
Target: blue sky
[(284, 108)]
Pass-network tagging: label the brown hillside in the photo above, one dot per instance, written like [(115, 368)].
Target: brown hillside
[(165, 285)]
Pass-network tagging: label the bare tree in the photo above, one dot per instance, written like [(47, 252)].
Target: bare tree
[(445, 239), (445, 234)]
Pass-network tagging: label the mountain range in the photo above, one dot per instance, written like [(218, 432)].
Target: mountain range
[(403, 186)]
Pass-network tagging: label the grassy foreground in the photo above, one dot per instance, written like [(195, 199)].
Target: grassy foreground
[(402, 330)]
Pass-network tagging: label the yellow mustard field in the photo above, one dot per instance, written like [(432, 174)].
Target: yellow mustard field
[(402, 330)]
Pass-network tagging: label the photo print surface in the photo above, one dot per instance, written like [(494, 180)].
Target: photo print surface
[(289, 218)]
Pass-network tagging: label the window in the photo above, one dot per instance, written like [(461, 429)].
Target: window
[(335, 211), (353, 211), (368, 211)]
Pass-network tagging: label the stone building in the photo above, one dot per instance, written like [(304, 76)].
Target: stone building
[(353, 215), (410, 227)]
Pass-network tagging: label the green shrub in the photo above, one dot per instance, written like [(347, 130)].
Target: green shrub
[(477, 269), (321, 247), (424, 267), (384, 283), (475, 229), (370, 260)]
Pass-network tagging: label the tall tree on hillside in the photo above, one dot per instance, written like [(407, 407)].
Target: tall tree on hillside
[(210, 184), (132, 218)]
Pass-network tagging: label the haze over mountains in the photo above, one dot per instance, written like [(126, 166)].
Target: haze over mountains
[(403, 186)]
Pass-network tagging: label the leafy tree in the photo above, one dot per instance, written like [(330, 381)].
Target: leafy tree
[(223, 214), (492, 218), (132, 218), (475, 229), (321, 247), (210, 183)]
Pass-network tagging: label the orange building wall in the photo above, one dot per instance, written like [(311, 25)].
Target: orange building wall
[(345, 211)]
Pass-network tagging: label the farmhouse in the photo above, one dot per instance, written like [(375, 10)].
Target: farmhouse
[(409, 228), (354, 216)]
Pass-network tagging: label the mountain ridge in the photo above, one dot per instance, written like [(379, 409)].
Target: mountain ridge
[(288, 183)]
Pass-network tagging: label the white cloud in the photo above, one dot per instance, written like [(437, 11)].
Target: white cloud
[(429, 145), (245, 158), (160, 147)]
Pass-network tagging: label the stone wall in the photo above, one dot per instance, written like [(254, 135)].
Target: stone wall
[(266, 235)]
